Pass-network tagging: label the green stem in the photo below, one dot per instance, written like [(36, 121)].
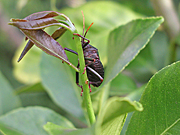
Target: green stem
[(84, 81), (83, 77)]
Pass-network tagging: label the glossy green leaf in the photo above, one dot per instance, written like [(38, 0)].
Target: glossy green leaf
[(60, 85), (30, 120), (126, 41), (27, 71), (8, 100), (161, 104), (114, 113)]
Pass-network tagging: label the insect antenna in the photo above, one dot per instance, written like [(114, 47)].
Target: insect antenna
[(88, 29), (83, 25)]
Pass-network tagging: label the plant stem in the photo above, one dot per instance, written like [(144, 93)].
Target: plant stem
[(84, 81), (83, 75), (167, 10)]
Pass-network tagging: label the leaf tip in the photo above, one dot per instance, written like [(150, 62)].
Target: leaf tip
[(162, 18), (10, 23), (138, 106), (19, 59)]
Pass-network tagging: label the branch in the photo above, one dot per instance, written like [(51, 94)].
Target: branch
[(167, 10), (84, 80)]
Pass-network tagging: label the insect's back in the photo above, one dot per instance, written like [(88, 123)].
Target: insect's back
[(92, 52)]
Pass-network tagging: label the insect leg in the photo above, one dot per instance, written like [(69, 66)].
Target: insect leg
[(77, 73), (77, 80), (88, 41), (67, 49), (90, 87)]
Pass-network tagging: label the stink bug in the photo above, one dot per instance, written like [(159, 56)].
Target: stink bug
[(93, 65)]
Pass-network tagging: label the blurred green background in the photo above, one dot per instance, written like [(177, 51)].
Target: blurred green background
[(155, 56)]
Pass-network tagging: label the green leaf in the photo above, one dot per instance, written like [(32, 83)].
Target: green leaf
[(57, 79), (161, 104), (8, 100), (53, 129), (126, 41), (114, 113), (27, 71), (30, 120), (114, 126), (134, 96), (37, 87)]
